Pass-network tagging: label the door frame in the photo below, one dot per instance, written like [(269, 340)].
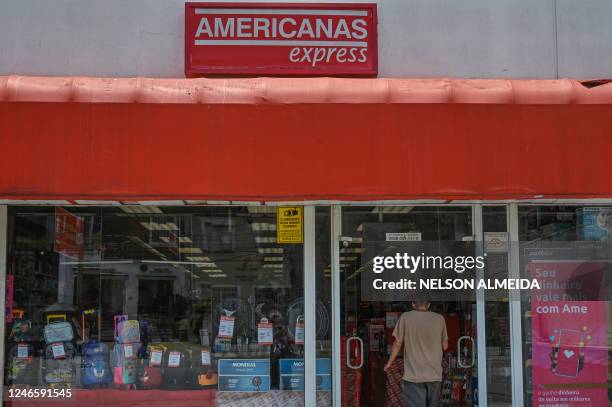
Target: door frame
[(514, 306)]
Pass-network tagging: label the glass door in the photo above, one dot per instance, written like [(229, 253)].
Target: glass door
[(371, 321)]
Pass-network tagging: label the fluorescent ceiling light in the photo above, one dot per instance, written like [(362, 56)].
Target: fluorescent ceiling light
[(265, 239), (351, 250), (261, 209), (198, 258), (263, 226), (217, 275), (268, 250), (190, 250), (349, 258), (159, 226), (273, 266), (392, 209), (273, 258), (211, 271), (209, 265), (140, 209), (181, 239)]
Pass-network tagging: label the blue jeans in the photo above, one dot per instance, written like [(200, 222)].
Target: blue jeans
[(421, 394)]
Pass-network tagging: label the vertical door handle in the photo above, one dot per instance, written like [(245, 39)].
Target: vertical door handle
[(349, 364)]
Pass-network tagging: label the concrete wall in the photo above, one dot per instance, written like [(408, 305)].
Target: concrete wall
[(417, 38)]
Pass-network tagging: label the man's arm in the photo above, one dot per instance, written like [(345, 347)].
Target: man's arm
[(444, 345), (397, 347)]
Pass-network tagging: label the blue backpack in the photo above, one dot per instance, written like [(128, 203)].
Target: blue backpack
[(95, 364)]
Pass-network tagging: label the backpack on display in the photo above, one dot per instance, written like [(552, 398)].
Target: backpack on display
[(175, 368), (58, 332), (127, 331), (126, 363), (59, 363), (95, 364), (21, 367), (151, 372)]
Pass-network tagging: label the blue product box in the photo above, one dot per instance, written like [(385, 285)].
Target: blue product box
[(292, 374), (594, 223), (244, 375)]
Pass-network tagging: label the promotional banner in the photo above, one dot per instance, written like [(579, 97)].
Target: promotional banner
[(69, 230), (569, 334), (281, 39), (244, 375)]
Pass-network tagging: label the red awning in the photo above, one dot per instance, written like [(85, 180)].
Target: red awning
[(135, 139)]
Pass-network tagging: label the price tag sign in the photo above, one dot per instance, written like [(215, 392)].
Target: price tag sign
[(265, 334), (205, 358), (156, 358), (174, 359), (226, 327), (22, 351), (128, 351), (58, 350), (299, 331)]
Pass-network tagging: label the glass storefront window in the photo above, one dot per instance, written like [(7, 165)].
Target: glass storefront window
[(566, 324), (198, 299)]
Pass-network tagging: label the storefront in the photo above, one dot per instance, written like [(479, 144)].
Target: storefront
[(213, 241)]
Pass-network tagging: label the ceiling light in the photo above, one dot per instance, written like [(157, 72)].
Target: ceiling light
[(211, 271), (351, 250), (198, 258), (190, 250), (273, 266), (140, 209), (207, 265), (273, 258), (159, 226), (261, 209), (265, 239), (269, 250), (217, 275), (263, 226), (349, 258), (181, 239)]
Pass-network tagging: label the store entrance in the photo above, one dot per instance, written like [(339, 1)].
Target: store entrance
[(367, 326)]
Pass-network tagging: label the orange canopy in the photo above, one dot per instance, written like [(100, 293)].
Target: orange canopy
[(136, 139)]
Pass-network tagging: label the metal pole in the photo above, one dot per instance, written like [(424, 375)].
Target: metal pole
[(336, 231), (310, 346), (516, 342), (480, 311)]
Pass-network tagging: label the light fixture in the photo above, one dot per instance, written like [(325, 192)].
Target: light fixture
[(217, 275), (159, 226), (181, 239), (268, 250), (273, 266), (198, 258), (140, 209), (273, 258), (190, 250), (263, 226), (265, 239), (210, 265)]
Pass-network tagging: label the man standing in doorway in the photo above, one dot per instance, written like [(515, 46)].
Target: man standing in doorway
[(423, 334)]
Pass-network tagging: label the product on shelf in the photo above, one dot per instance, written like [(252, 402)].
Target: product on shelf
[(125, 352), (59, 354)]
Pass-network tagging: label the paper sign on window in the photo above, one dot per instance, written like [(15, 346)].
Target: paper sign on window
[(58, 350), (265, 334), (22, 351), (174, 359), (156, 358), (205, 358), (299, 330), (226, 327)]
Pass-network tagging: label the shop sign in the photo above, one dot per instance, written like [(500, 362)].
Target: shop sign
[(496, 242), (289, 224), (281, 39)]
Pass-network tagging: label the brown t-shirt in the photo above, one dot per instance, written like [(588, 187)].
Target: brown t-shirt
[(422, 333)]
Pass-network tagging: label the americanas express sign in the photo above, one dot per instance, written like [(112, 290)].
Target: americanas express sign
[(281, 39)]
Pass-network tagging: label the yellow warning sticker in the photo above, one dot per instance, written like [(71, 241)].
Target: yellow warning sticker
[(289, 224)]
